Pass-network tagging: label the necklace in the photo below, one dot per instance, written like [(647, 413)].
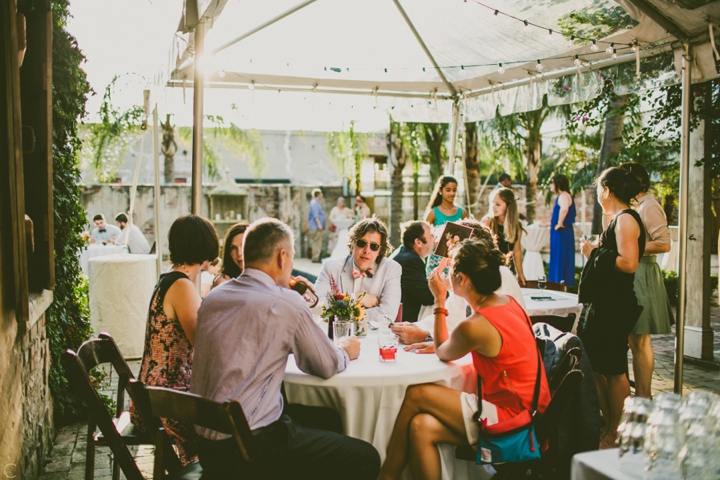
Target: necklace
[(445, 209), (183, 269), (482, 300)]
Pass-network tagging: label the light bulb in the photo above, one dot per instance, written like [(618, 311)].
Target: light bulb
[(539, 67), (501, 70), (614, 54), (577, 61), (252, 85), (221, 74), (611, 48), (634, 47), (594, 46), (571, 41)]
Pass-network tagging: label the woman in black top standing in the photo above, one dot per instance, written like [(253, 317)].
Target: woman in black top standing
[(606, 289)]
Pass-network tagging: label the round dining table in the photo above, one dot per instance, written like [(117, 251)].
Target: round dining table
[(97, 250), (551, 302), (534, 240), (369, 393)]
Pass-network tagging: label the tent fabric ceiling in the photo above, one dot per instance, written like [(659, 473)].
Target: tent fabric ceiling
[(366, 47)]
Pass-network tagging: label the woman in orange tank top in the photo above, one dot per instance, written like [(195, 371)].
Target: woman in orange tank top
[(504, 353)]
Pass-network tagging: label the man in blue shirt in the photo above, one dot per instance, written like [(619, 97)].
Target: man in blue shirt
[(316, 216)]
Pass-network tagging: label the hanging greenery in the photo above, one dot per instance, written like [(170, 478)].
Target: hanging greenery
[(346, 150), (68, 318)]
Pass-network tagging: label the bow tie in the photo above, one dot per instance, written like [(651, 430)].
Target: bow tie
[(362, 273), (102, 231)]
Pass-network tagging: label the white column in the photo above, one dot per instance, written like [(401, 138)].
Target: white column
[(198, 116)]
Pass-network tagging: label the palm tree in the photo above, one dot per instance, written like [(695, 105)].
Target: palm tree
[(168, 147), (403, 146), (348, 146), (436, 135), (472, 166)]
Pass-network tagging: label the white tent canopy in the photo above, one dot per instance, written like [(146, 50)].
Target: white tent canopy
[(425, 54)]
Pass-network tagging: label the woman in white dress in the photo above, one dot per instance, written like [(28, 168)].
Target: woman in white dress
[(339, 232)]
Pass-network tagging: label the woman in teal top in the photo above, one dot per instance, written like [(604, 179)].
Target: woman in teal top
[(442, 209)]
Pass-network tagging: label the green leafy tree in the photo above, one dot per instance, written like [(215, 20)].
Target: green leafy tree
[(347, 149), (239, 143), (404, 144), (436, 136)]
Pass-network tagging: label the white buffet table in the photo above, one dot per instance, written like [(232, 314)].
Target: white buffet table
[(97, 250), (368, 396), (120, 291), (604, 465), (533, 241)]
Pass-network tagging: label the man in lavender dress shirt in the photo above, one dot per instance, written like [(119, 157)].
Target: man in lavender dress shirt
[(246, 329)]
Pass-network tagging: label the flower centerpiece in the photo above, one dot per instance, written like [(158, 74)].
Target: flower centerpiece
[(344, 307)]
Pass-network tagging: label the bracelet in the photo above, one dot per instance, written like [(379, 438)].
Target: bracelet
[(440, 310)]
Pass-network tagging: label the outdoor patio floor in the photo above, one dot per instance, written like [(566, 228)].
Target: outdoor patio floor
[(67, 459)]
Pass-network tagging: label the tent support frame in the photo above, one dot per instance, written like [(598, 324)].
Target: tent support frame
[(198, 115), (682, 240)]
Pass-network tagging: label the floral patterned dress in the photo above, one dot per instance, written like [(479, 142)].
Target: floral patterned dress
[(167, 362)]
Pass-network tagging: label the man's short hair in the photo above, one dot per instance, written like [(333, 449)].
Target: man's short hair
[(98, 216), (121, 218), (412, 230), (503, 177), (192, 240), (370, 225), (316, 192), (263, 238)]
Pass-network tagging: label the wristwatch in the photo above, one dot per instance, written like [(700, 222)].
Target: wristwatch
[(428, 338)]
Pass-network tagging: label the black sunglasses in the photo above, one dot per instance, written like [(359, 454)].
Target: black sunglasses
[(362, 244)]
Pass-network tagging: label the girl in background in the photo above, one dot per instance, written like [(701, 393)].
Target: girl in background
[(503, 219), (442, 209)]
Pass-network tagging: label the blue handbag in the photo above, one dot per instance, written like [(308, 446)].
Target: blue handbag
[(513, 440)]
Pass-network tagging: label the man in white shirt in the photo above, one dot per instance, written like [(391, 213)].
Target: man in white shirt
[(136, 241), (365, 270), (103, 232)]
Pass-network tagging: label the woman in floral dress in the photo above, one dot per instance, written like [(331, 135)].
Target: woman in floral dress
[(172, 320)]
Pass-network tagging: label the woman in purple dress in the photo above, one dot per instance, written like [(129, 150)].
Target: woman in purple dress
[(562, 235)]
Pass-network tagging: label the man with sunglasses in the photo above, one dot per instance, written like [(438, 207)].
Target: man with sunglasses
[(365, 270)]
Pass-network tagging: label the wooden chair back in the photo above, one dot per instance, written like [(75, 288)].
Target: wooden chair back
[(555, 286), (227, 417), (564, 324), (92, 353)]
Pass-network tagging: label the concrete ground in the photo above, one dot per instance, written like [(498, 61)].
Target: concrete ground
[(67, 459)]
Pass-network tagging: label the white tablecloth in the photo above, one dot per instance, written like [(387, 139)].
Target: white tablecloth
[(533, 242), (368, 396), (341, 249), (120, 291), (562, 305), (97, 250), (604, 465)]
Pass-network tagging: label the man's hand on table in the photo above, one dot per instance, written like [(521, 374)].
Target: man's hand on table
[(369, 300), (351, 345), (422, 347), (408, 332)]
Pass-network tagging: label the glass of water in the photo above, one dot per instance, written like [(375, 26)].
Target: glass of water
[(542, 284)]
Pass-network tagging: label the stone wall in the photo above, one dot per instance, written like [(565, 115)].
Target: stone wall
[(285, 202), (26, 409)]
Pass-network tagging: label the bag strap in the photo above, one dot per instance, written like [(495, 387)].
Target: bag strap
[(536, 393)]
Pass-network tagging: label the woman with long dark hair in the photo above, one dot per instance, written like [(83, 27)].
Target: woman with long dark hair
[(657, 315), (562, 235), (606, 289), (503, 219), (442, 209), (232, 257)]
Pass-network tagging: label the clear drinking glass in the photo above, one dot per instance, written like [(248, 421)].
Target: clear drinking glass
[(542, 284), (387, 347), (341, 329), (664, 443)]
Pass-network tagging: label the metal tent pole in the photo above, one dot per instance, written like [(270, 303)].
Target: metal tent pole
[(198, 115), (684, 172), (449, 168), (158, 202)]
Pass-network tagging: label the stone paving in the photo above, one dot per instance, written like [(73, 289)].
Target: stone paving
[(67, 459)]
